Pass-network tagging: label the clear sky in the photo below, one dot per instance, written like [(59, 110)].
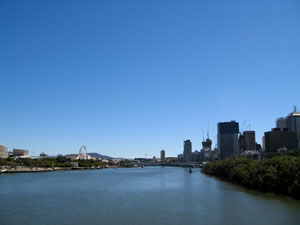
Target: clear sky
[(129, 78)]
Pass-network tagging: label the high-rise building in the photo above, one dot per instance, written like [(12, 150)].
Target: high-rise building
[(206, 154), (228, 140), (293, 124), (249, 137), (281, 123), (187, 151), (162, 155), (3, 151), (206, 149), (207, 143), (276, 139), (242, 143)]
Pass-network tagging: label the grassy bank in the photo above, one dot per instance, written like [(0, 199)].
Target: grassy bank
[(280, 174)]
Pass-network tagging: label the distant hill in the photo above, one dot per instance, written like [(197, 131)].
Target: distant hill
[(99, 156)]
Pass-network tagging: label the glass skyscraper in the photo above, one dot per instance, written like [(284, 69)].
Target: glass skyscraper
[(228, 139)]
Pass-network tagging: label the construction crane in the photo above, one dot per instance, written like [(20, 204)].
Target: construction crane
[(207, 129), (242, 128), (249, 126)]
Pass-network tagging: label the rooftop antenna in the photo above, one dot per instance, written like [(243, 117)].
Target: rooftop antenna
[(295, 108)]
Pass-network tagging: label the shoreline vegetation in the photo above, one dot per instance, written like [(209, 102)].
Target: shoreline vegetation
[(279, 174), (28, 165)]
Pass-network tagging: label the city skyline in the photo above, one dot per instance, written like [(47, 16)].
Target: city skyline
[(128, 81)]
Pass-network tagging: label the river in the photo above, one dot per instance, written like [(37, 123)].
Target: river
[(137, 196)]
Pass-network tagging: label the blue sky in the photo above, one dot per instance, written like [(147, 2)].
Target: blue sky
[(129, 78)]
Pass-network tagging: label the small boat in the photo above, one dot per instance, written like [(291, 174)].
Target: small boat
[(190, 170), (3, 171)]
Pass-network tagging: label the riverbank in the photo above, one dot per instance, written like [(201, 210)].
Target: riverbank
[(24, 169), (279, 174), (47, 164)]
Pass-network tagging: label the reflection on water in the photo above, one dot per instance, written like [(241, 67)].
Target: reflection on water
[(150, 195)]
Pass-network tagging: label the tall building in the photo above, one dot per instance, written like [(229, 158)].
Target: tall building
[(293, 123), (228, 139), (3, 151), (276, 139), (242, 143), (162, 155), (281, 123), (206, 154), (207, 143), (206, 149), (187, 151), (249, 137)]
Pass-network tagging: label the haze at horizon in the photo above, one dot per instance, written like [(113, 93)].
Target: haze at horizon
[(131, 78)]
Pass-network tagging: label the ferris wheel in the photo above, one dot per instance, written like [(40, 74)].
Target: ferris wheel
[(82, 153)]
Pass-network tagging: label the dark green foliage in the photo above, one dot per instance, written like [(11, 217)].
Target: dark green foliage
[(126, 163), (89, 163), (280, 174), (61, 159)]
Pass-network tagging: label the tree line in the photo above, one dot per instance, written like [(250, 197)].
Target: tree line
[(280, 174), (59, 161)]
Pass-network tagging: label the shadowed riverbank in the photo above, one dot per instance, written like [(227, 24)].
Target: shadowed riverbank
[(280, 174)]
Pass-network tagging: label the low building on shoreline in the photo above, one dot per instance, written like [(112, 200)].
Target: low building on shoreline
[(20, 153)]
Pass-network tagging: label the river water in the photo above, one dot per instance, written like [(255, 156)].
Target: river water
[(137, 196)]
